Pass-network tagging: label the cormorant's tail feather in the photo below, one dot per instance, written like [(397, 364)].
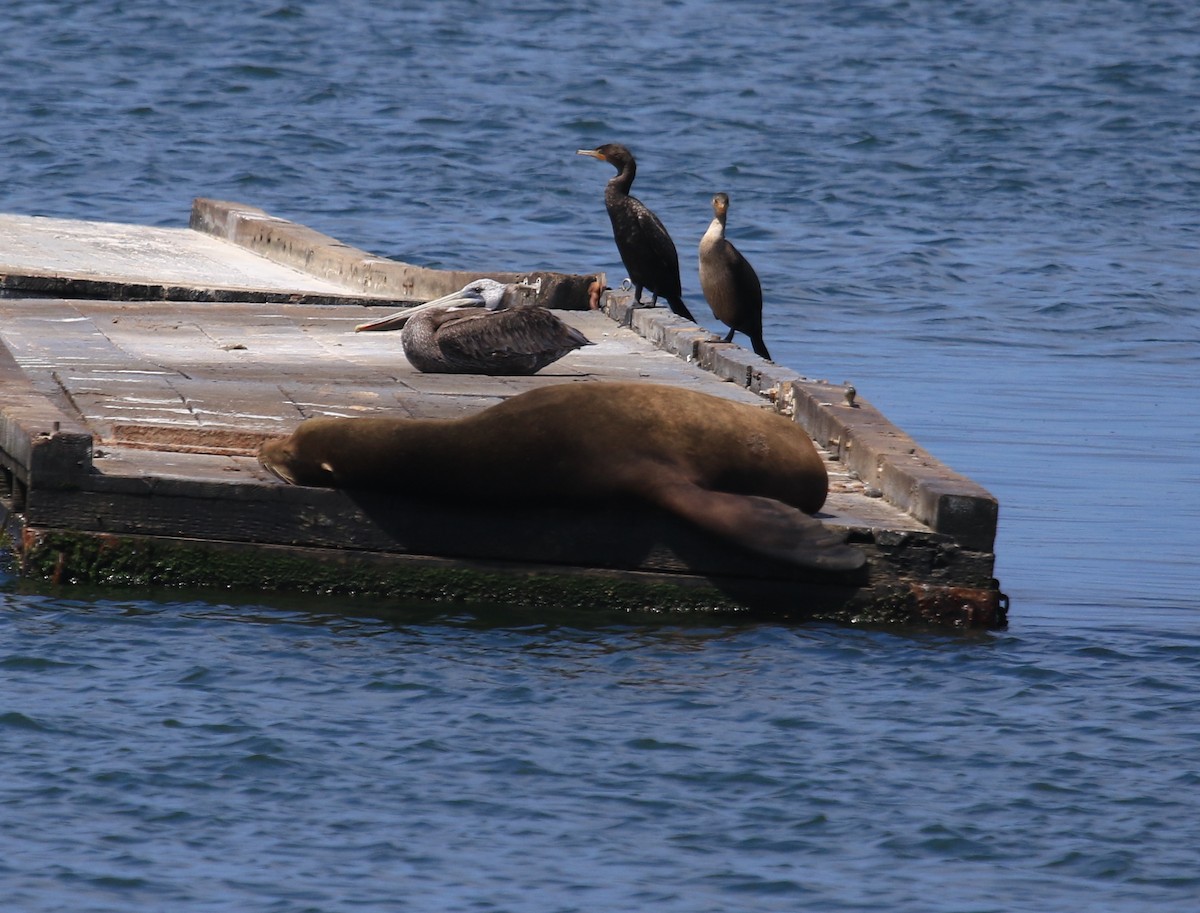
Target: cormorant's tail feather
[(760, 347), (678, 307)]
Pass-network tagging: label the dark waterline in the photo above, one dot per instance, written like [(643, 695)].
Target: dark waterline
[(985, 216)]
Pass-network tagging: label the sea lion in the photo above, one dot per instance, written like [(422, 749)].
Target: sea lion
[(739, 471)]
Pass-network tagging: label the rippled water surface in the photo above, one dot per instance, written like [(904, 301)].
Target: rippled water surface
[(982, 214)]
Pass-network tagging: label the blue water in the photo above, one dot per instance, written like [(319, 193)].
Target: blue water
[(984, 215)]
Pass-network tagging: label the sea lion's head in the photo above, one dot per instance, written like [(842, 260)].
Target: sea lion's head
[(296, 463)]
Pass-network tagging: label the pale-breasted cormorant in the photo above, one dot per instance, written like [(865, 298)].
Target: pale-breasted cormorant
[(476, 331), (729, 282), (643, 243)]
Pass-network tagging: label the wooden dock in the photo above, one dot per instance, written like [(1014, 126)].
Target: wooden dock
[(140, 369)]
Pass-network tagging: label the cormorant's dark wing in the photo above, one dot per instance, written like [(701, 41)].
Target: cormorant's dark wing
[(747, 290), (645, 247)]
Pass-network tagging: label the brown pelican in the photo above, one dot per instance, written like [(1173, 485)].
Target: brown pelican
[(643, 243), (485, 293), (729, 282), (479, 330)]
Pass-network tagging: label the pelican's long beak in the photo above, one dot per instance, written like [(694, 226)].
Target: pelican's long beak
[(397, 320)]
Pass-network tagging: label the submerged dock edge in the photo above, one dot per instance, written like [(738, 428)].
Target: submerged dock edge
[(61, 557)]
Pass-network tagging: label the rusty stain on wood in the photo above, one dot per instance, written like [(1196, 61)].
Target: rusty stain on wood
[(215, 441)]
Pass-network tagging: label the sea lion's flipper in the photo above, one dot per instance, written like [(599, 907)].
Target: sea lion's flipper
[(763, 525)]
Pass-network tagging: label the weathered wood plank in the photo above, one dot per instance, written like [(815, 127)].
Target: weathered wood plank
[(615, 536), (39, 444), (304, 249), (889, 459), (72, 258)]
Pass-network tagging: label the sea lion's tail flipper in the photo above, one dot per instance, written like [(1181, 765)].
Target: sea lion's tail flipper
[(762, 525)]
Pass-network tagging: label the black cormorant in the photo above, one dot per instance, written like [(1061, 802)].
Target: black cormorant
[(729, 282), (643, 243)]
